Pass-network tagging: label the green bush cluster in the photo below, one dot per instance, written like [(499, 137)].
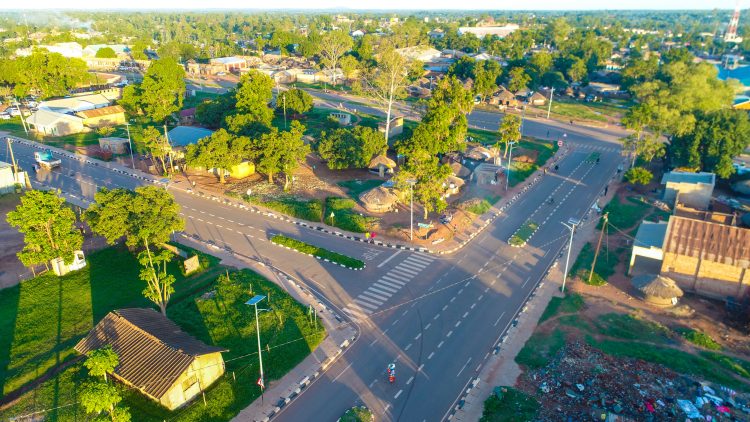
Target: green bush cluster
[(309, 249)]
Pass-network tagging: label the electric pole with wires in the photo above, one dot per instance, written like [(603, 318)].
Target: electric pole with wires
[(598, 245)]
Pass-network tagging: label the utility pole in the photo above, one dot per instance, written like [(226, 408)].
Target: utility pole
[(283, 100), (572, 223), (166, 136), (510, 154), (411, 183), (12, 158), (598, 245), (20, 114), (254, 302), (549, 107), (130, 145)]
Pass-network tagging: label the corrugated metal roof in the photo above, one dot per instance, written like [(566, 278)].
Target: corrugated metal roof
[(686, 177), (651, 234), (153, 350), (104, 111), (709, 241)]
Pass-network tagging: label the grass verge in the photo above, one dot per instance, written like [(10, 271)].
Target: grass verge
[(572, 302), (698, 338), (523, 234), (357, 414), (354, 188), (42, 318), (287, 332), (521, 170), (507, 404), (310, 210), (605, 264), (321, 253), (344, 216)]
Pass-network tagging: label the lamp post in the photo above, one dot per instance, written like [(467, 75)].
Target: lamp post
[(254, 302), (130, 145), (549, 107), (571, 225), (510, 154), (411, 183)]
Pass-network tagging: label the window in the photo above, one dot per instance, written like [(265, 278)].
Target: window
[(192, 380)]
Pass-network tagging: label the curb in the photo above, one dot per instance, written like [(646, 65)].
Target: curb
[(321, 259)]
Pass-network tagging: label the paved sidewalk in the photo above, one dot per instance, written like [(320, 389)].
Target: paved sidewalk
[(338, 336), (501, 368)]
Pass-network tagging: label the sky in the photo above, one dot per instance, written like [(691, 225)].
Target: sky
[(381, 4)]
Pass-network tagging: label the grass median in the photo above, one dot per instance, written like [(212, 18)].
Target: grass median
[(523, 234), (321, 253)]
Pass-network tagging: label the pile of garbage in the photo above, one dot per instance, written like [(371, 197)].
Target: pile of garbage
[(584, 384)]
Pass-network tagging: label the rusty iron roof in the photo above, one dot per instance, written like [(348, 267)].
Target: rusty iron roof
[(153, 350), (709, 241), (103, 111)]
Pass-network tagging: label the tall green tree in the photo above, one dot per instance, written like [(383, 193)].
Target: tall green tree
[(638, 176), (509, 131), (387, 82), (295, 100), (97, 397), (101, 362), (429, 176), (48, 227), (518, 79), (211, 113), (717, 138), (44, 74), (146, 218), (162, 90), (333, 46), (156, 145), (279, 152), (345, 148), (106, 53), (253, 95), (220, 151)]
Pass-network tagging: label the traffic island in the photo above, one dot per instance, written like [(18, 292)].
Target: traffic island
[(319, 253), (357, 414), (523, 234)]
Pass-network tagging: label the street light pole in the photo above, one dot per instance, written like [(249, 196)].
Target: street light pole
[(254, 301), (549, 107), (572, 223), (130, 145), (510, 154), (411, 183)]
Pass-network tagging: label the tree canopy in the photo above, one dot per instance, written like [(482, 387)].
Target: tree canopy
[(48, 227), (106, 53), (279, 151), (345, 148), (295, 100), (221, 151), (429, 176), (42, 73), (252, 97), (161, 92)]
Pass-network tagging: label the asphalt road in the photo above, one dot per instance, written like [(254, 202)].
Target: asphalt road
[(437, 317)]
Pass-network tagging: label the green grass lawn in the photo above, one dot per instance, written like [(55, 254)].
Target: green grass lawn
[(626, 215), (507, 404), (43, 318), (572, 302), (698, 338), (357, 414), (288, 334), (344, 216), (631, 327), (15, 128), (354, 188), (313, 250), (520, 171), (605, 264), (199, 97), (580, 110), (310, 210), (524, 233)]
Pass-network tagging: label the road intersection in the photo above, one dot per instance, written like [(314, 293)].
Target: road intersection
[(437, 317)]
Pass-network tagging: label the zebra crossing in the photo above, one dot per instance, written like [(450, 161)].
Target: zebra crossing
[(589, 147), (375, 296)]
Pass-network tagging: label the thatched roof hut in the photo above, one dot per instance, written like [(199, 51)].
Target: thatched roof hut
[(657, 290), (381, 164), (460, 170), (478, 153), (453, 184), (379, 199)]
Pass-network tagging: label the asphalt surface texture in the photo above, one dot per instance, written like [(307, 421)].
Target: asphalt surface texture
[(436, 317)]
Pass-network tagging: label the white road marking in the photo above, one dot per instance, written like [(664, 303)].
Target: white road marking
[(449, 333), (465, 314), (389, 258), (408, 346), (373, 342), (382, 286), (458, 323), (498, 319), (463, 367), (398, 394), (342, 372), (431, 355), (427, 327), (420, 368), (440, 344), (410, 380), (418, 336)]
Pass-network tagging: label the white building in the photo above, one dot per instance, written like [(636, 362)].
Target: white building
[(119, 49), (419, 52), (483, 31), (81, 102), (67, 49), (54, 123), (648, 251)]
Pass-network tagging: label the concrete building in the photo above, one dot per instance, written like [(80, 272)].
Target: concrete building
[(54, 123), (707, 258), (67, 49), (420, 52), (483, 31), (691, 189), (230, 64), (105, 116), (7, 180), (647, 254), (156, 358), (114, 145), (82, 102), (121, 50)]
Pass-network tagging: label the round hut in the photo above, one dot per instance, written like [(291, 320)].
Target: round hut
[(658, 290), (379, 199)]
